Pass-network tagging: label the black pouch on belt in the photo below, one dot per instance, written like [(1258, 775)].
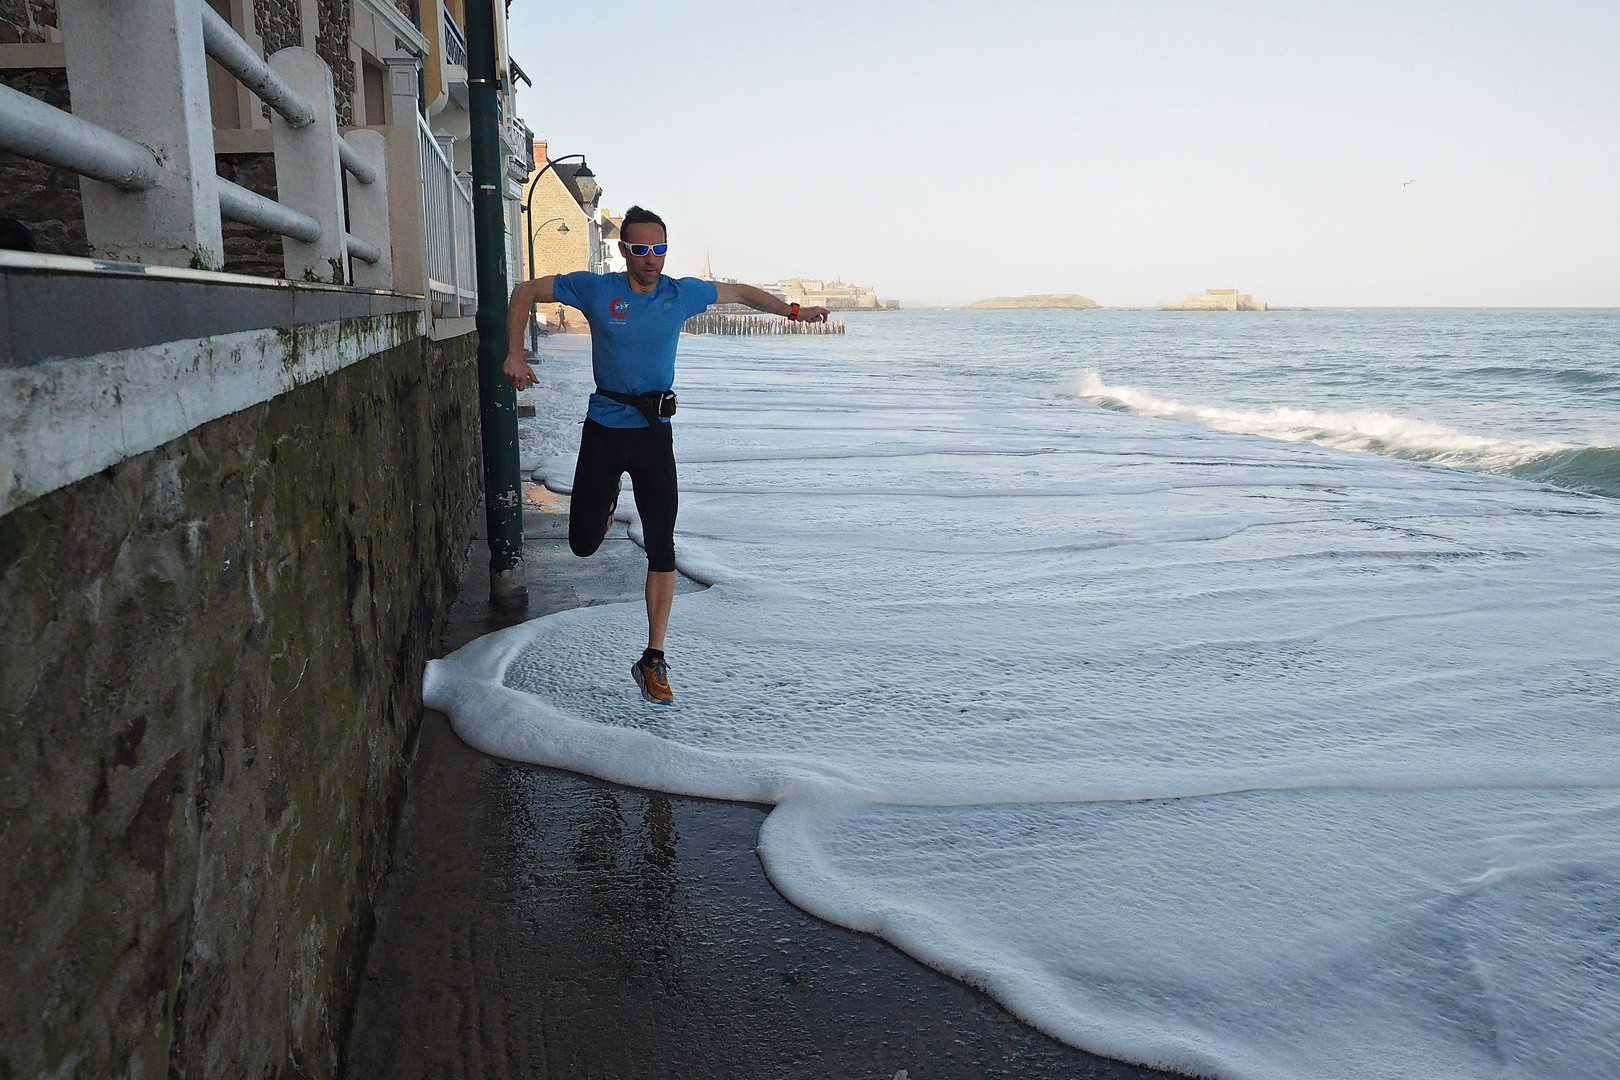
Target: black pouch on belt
[(655, 406)]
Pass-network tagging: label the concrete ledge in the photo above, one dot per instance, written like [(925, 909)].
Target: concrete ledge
[(55, 306), (67, 419), (450, 327)]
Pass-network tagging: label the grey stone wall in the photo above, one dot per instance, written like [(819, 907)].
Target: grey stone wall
[(332, 45), (212, 658), (42, 198), (26, 21), (278, 23)]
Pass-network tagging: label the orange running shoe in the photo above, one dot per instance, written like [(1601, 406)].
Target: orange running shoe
[(653, 678)]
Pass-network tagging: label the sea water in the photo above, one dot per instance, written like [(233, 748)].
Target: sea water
[(1231, 693)]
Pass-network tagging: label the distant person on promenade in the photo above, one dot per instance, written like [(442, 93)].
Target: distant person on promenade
[(635, 319)]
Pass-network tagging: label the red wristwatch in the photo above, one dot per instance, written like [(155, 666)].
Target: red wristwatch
[(793, 313)]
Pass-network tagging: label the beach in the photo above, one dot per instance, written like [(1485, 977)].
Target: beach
[(540, 923), (1229, 697)]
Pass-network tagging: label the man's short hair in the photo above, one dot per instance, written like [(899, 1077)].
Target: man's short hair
[(637, 216)]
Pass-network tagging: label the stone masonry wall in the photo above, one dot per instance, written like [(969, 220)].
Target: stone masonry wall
[(26, 20), (332, 45), (212, 658), (279, 24)]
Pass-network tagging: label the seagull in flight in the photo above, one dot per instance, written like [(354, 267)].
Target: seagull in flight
[(1410, 182)]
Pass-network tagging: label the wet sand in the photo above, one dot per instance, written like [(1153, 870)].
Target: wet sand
[(541, 924)]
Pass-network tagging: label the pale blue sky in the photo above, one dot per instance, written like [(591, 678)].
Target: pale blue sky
[(1129, 152)]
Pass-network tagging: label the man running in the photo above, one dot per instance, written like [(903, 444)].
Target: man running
[(635, 319)]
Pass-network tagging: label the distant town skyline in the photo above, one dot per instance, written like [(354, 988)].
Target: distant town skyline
[(1376, 154)]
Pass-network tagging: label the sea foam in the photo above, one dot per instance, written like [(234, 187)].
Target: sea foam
[(1367, 430), (1235, 756)]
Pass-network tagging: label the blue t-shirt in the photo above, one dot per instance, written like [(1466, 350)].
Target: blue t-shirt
[(633, 334)]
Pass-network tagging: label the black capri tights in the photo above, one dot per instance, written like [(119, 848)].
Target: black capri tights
[(605, 455)]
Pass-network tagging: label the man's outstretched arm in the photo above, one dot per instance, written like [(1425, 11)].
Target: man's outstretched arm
[(760, 300), (524, 297)]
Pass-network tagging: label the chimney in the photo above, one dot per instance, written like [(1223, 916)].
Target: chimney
[(539, 153)]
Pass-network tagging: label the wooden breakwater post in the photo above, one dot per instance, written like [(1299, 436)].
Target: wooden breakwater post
[(720, 322)]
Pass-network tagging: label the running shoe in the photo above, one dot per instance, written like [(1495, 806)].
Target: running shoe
[(653, 678)]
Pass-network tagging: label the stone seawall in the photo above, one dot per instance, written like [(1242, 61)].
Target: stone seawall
[(210, 677)]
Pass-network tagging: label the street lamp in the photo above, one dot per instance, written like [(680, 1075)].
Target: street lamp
[(534, 328), (583, 170), (528, 215), (561, 228)]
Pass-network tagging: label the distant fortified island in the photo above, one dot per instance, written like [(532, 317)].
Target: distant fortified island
[(1217, 300), (812, 292), (1039, 300), (832, 295)]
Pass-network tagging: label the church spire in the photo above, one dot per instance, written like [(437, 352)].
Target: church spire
[(708, 275)]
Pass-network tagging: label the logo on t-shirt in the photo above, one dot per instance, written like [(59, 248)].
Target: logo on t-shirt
[(619, 306)]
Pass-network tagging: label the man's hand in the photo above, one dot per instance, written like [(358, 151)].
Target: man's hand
[(518, 312), (812, 314), (518, 370)]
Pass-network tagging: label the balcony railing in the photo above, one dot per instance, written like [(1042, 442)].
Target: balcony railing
[(455, 42), (447, 209)]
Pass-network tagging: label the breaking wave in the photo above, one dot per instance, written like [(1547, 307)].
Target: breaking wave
[(1592, 469)]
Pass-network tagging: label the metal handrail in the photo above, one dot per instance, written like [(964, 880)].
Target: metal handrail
[(224, 44), (235, 55), (32, 129), (249, 207), (361, 250), (41, 132), (355, 164), (239, 204)]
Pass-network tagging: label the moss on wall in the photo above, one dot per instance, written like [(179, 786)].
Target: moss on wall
[(212, 658)]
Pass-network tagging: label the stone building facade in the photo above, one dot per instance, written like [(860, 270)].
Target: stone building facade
[(565, 195)]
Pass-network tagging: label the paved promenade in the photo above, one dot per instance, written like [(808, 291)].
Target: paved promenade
[(540, 924)]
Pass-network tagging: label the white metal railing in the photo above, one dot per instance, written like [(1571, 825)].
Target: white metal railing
[(447, 211), (313, 209), (466, 256)]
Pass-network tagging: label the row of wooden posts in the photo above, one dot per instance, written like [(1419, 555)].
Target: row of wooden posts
[(719, 322)]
